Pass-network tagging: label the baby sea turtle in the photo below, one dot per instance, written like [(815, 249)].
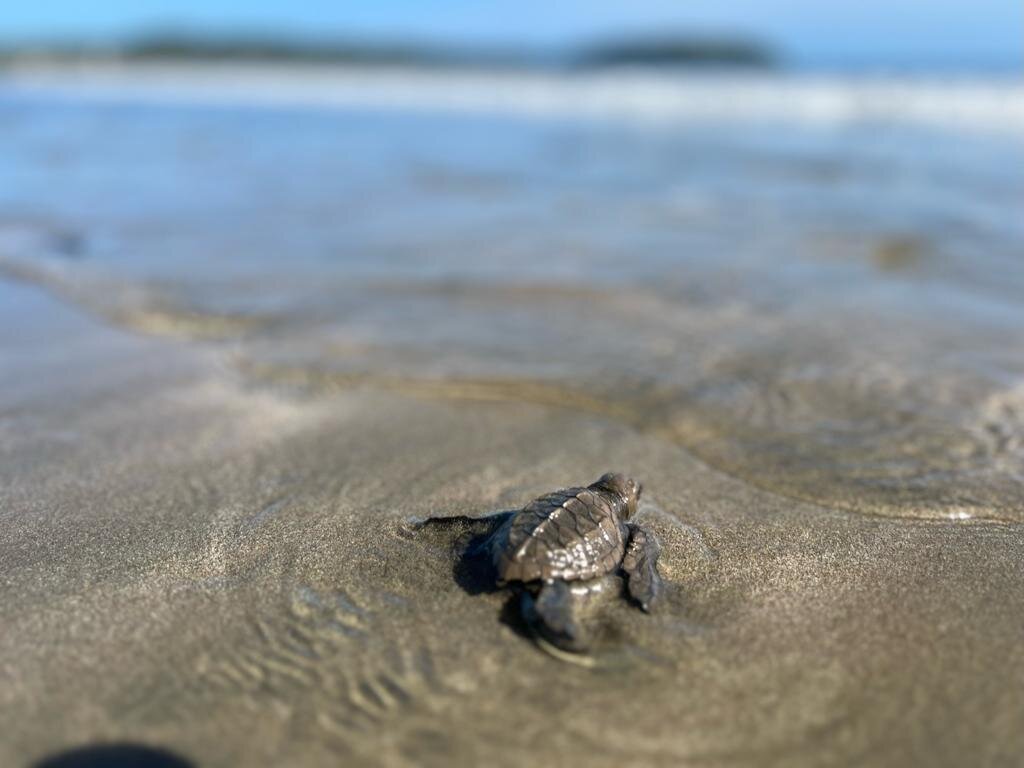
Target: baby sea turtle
[(565, 539)]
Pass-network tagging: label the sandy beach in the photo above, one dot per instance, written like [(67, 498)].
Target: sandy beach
[(220, 414)]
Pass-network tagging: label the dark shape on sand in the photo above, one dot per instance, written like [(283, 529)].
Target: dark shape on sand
[(571, 535), (115, 756)]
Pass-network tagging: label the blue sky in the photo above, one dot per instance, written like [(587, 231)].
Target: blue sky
[(947, 33)]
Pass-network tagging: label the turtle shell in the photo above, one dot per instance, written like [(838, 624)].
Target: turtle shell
[(569, 534)]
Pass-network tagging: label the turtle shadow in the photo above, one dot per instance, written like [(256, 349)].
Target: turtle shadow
[(472, 564), (125, 755)]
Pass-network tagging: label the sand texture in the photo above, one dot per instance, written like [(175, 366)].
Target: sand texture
[(228, 572)]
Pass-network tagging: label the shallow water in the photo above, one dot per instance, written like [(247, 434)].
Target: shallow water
[(831, 311), (804, 335)]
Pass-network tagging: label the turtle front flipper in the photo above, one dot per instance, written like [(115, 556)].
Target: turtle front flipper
[(640, 565), (551, 614)]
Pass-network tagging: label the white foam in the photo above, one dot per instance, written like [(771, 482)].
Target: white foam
[(978, 104)]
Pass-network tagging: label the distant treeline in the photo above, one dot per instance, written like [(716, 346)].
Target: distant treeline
[(679, 51)]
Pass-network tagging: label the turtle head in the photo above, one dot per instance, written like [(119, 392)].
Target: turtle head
[(626, 488)]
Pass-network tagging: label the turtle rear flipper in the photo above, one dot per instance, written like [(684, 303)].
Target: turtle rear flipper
[(551, 615), (470, 535), (468, 541), (640, 564)]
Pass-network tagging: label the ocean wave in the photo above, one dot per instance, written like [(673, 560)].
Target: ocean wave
[(990, 105)]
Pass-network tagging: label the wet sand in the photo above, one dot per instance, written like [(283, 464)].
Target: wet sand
[(224, 569)]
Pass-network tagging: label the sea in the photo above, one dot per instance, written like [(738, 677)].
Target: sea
[(814, 282)]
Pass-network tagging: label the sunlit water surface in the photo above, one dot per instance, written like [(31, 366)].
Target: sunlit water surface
[(817, 291)]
